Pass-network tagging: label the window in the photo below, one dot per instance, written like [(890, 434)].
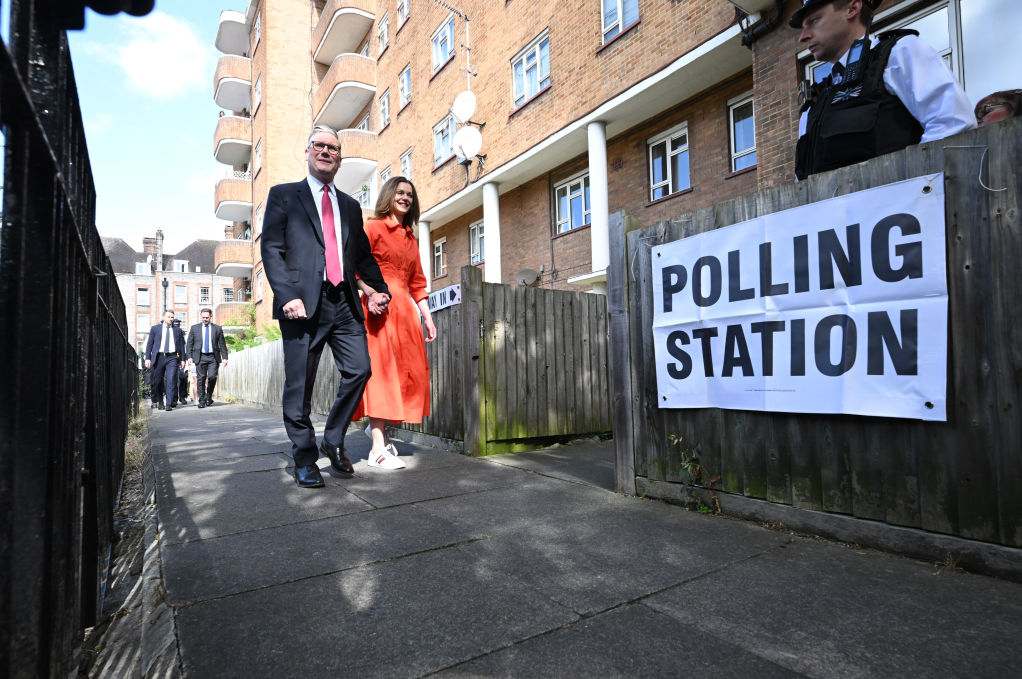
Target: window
[(443, 138), (140, 347), (364, 52), (257, 157), (530, 69), (142, 297), (204, 296), (362, 196), (572, 199), (228, 295), (406, 164), (259, 286), (404, 86), (402, 12), (385, 175), (141, 321), (181, 265), (385, 109), (439, 257), (443, 42), (258, 221), (257, 30), (141, 269), (181, 319), (617, 16), (383, 31), (363, 124), (257, 94), (743, 133), (180, 294), (668, 163), (475, 240)]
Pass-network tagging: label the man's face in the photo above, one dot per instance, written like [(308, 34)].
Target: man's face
[(168, 318), (206, 318), (323, 164), (829, 32)]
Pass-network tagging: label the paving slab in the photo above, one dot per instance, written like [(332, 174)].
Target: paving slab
[(448, 476), (198, 504), (630, 641), (206, 569), (400, 618), (828, 610), (591, 463)]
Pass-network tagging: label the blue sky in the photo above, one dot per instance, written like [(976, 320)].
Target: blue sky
[(146, 91)]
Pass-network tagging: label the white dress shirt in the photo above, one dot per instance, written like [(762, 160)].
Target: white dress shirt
[(317, 195), (917, 75)]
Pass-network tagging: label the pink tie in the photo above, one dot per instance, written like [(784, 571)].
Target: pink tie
[(333, 263)]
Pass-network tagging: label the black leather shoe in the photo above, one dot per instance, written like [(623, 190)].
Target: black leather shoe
[(169, 408), (308, 477), (202, 404), (159, 406), (338, 460)]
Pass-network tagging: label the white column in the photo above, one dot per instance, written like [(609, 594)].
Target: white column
[(599, 204), (426, 254), (491, 232)]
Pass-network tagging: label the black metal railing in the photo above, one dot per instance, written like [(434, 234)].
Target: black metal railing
[(70, 380)]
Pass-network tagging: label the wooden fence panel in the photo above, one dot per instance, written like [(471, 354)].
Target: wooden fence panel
[(961, 477)]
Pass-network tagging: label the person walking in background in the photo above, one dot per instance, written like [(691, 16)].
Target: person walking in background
[(398, 390), (207, 350), (164, 353), (998, 106), (314, 248)]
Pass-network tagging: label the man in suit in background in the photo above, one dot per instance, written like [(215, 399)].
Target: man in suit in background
[(207, 349), (313, 248), (164, 353)]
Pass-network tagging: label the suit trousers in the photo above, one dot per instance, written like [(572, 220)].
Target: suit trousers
[(166, 376), (206, 371), (336, 325)]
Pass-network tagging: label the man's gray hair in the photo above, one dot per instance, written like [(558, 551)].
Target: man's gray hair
[(318, 129)]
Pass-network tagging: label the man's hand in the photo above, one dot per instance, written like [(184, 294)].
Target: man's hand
[(378, 302), (295, 310), (149, 364), (224, 363)]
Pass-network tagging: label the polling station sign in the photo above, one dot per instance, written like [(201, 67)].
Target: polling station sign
[(835, 307)]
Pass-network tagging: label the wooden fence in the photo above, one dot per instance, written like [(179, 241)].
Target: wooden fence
[(960, 478), (513, 368)]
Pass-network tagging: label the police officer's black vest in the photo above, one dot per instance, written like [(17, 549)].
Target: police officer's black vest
[(856, 121)]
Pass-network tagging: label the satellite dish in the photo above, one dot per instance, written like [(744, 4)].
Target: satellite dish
[(467, 142), (527, 277), (464, 107)]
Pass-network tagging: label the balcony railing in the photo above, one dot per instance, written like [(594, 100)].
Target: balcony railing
[(232, 198), (232, 141), (342, 27), (233, 258), (232, 83), (232, 33), (347, 88)]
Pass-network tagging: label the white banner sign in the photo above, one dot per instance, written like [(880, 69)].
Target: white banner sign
[(445, 297), (835, 307)]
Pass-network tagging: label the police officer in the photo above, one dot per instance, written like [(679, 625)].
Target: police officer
[(883, 94)]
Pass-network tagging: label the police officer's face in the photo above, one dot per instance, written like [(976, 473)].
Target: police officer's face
[(829, 32)]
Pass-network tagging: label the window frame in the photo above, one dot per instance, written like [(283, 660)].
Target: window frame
[(736, 155), (205, 295), (142, 268), (440, 257), (477, 242), (257, 157), (445, 125), (385, 175), (446, 29), (619, 24), (402, 16), (404, 86), (666, 137), (257, 93), (180, 265), (406, 169), (178, 287), (139, 293), (256, 31), (363, 124), (142, 321), (542, 83), (258, 286), (228, 297), (582, 178), (385, 108), (383, 32)]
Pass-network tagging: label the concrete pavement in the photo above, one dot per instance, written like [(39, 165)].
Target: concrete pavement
[(523, 566)]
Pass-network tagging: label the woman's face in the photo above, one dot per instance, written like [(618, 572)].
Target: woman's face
[(402, 201)]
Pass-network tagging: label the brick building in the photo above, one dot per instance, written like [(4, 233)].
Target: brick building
[(586, 107), (191, 284)]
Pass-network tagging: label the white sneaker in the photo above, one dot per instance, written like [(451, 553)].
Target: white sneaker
[(384, 460), (392, 450)]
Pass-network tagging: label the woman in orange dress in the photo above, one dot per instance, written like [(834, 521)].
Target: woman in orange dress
[(398, 390)]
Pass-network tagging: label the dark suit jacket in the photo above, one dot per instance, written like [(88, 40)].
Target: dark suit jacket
[(155, 342), (293, 249), (216, 342)]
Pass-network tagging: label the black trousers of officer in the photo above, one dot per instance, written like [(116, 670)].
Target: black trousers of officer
[(206, 371), (165, 376)]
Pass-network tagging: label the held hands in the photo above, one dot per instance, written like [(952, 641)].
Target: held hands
[(294, 310), (378, 302)]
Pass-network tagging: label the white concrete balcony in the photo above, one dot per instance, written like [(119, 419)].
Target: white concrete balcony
[(232, 198), (232, 33), (232, 141), (347, 88), (232, 83), (233, 258), (342, 27)]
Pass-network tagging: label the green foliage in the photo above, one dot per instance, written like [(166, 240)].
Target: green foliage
[(694, 474), (250, 336)]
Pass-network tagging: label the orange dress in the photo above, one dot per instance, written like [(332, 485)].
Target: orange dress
[(398, 389)]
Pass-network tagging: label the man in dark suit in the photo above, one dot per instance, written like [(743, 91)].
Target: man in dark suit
[(164, 353), (207, 349), (313, 248)]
